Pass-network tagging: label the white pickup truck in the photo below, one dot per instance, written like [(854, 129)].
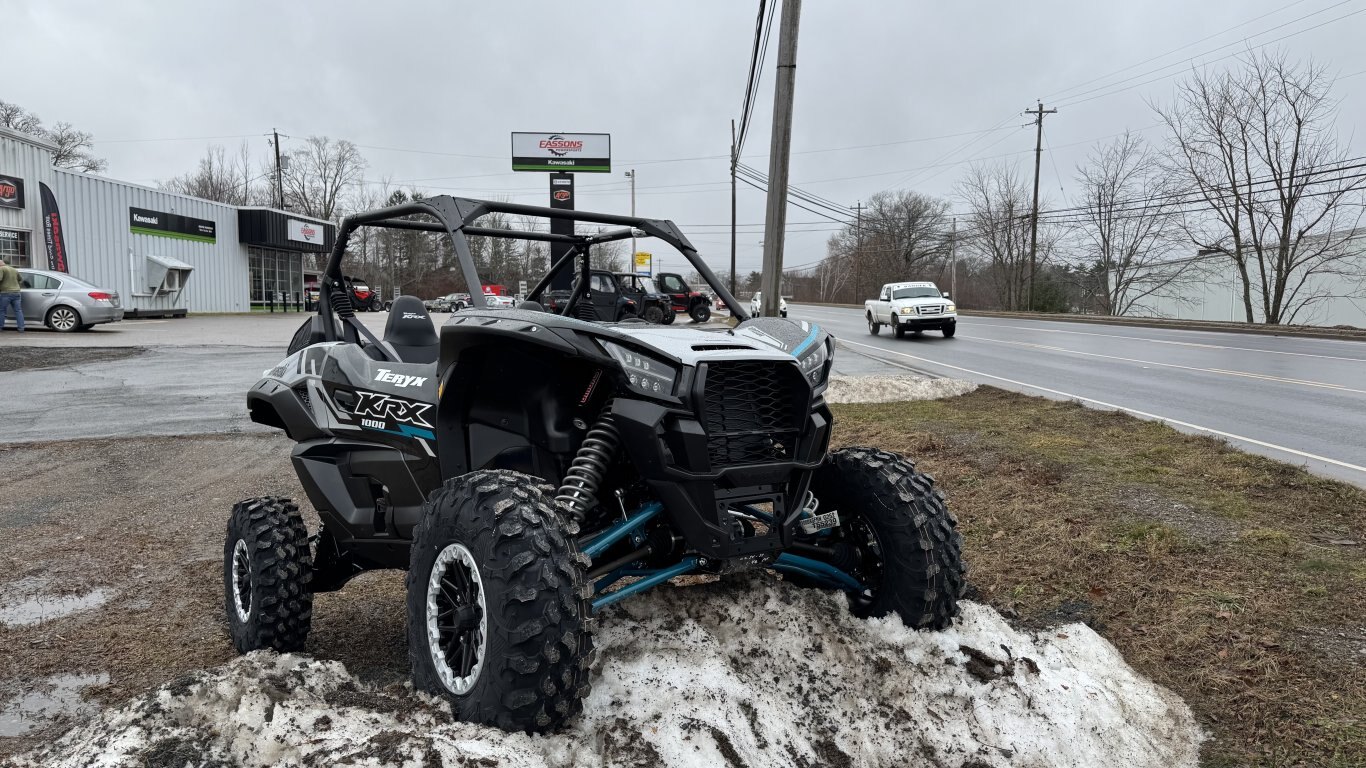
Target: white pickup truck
[(911, 307)]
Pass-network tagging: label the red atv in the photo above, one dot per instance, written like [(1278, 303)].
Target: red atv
[(685, 300)]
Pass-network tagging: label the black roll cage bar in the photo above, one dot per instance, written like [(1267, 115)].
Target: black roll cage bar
[(455, 216)]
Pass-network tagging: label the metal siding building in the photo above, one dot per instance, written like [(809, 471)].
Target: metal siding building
[(164, 253), (28, 161), (103, 249)]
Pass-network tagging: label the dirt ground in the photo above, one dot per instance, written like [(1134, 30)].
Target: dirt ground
[(1237, 581)]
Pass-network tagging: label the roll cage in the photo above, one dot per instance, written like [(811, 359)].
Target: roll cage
[(456, 216)]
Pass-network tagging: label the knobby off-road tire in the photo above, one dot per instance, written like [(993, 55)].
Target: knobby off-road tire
[(267, 567), (914, 561), (669, 315), (700, 312), (654, 315), (500, 532)]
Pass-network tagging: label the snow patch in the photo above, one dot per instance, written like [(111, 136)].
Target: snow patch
[(893, 388), (748, 671)]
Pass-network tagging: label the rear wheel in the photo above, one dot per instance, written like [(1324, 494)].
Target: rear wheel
[(63, 319), (498, 612), (700, 312), (267, 567), (873, 325), (896, 537)]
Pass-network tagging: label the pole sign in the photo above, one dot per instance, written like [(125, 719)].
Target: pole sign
[(644, 263), (574, 152)]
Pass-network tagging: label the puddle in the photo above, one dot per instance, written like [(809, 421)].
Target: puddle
[(56, 696), (41, 608)]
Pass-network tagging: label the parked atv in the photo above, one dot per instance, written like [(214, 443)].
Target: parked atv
[(686, 301), (655, 307), (529, 469), (362, 297)]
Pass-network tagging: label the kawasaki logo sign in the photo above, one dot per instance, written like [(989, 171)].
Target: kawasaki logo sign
[(576, 152), (161, 224)]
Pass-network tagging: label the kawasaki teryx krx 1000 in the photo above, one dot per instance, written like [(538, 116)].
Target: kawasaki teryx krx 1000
[(530, 468)]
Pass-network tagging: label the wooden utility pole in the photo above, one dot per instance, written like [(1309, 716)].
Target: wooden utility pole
[(775, 219), (1034, 219), (953, 262), (733, 161), (858, 251)]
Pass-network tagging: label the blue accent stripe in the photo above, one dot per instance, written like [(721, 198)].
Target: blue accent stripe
[(815, 331), (416, 431)]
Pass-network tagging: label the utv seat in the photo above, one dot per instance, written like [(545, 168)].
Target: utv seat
[(409, 333)]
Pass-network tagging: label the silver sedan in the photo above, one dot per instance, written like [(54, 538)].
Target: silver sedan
[(65, 303)]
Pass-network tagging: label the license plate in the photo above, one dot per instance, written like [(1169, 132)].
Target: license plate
[(811, 525)]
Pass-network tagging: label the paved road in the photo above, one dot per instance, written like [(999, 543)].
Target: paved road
[(1295, 399)]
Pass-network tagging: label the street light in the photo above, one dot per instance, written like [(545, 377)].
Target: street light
[(631, 174)]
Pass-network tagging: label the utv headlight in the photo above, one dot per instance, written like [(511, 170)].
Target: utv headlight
[(813, 363), (644, 374), (908, 310)]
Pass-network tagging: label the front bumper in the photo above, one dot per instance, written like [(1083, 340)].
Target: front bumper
[(931, 322)]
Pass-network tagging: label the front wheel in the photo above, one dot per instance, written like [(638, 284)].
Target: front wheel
[(950, 329), (63, 319), (699, 312), (896, 537), (498, 611), (898, 329), (267, 568), (873, 325), (653, 314), (669, 315)]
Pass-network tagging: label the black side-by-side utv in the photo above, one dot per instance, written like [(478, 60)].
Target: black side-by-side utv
[(529, 469)]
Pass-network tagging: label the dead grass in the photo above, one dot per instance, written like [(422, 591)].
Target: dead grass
[(1208, 567)]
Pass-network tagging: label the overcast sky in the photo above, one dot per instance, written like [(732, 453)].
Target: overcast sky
[(430, 92)]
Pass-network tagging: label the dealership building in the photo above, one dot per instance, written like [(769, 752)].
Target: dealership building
[(164, 253)]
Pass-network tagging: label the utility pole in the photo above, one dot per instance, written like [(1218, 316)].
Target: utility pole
[(775, 219), (1034, 219), (953, 262), (733, 161), (279, 181), (858, 251)]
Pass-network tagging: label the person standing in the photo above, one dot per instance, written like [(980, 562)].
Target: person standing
[(10, 296)]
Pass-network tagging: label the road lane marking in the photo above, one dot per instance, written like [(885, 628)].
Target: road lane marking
[(1134, 411), (1245, 374), (1175, 343), (975, 324)]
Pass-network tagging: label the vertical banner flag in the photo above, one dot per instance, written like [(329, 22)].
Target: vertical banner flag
[(52, 231)]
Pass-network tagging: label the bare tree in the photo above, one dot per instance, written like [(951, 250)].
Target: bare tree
[(319, 175), (1129, 226), (904, 235), (997, 229), (17, 118), (221, 178), (73, 146), (1256, 146)]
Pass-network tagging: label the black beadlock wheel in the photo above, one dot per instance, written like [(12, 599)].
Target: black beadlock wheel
[(700, 312), (896, 536), (267, 567), (499, 619)]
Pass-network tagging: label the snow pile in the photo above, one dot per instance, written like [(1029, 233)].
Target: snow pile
[(893, 388), (749, 672)]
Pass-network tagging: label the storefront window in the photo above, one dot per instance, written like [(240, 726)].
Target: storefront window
[(274, 273), (14, 248)]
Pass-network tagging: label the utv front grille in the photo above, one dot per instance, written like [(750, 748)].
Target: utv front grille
[(752, 411)]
